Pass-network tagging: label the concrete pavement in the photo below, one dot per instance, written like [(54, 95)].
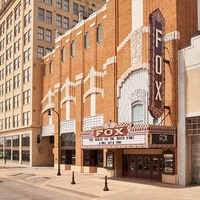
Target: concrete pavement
[(90, 186)]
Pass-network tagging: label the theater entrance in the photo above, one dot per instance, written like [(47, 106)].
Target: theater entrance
[(142, 166)]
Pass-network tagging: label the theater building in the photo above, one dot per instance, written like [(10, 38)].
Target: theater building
[(111, 89)]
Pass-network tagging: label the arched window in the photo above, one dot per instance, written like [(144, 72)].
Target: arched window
[(137, 114)]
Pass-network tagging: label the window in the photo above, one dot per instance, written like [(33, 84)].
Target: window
[(90, 11), (66, 23), (15, 139), (87, 41), (48, 50), (2, 28), (25, 140), (18, 11), (193, 125), (9, 85), (63, 54), (40, 52), (49, 2), (17, 62), (8, 123), (26, 97), (8, 104), (26, 118), (66, 5), (2, 107), (1, 74), (9, 37), (48, 35), (40, 33), (27, 3), (8, 69), (8, 53), (2, 60), (51, 67), (59, 20), (99, 33), (27, 75), (1, 124), (44, 70), (73, 48), (16, 81), (17, 28), (27, 37), (16, 101), (41, 14), (15, 121), (82, 10), (59, 4), (137, 114), (27, 55), (9, 21), (38, 139), (74, 23), (2, 44), (1, 89), (27, 18), (75, 8), (49, 17), (17, 45)]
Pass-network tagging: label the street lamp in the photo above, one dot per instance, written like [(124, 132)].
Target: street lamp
[(49, 114)]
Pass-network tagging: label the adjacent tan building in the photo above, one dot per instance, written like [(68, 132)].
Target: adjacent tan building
[(28, 30)]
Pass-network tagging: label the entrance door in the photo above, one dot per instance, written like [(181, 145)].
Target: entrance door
[(157, 164), (129, 168), (140, 166), (147, 167), (143, 166)]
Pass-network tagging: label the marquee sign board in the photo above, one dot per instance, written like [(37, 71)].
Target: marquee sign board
[(156, 70), (114, 137)]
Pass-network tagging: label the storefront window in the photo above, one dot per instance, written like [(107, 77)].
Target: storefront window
[(25, 155), (93, 158), (25, 140), (68, 157), (8, 154), (8, 141), (1, 147), (15, 155), (15, 141)]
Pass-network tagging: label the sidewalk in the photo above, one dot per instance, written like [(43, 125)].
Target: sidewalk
[(90, 186)]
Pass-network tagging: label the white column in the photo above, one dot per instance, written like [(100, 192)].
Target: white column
[(181, 132)]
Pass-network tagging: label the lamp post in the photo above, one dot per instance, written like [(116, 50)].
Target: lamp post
[(58, 138)]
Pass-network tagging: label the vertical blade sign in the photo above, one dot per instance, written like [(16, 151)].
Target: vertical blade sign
[(156, 70)]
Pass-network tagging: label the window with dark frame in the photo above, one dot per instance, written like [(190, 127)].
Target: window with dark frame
[(99, 33)]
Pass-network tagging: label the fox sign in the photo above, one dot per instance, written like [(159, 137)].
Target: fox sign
[(156, 70)]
